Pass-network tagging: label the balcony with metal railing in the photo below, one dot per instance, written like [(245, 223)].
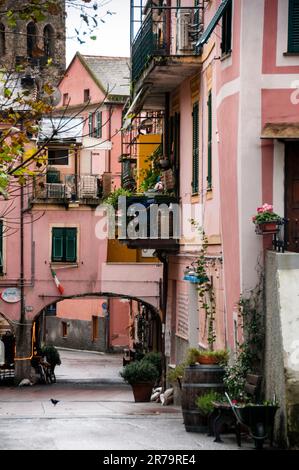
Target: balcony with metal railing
[(149, 221), (83, 189), (164, 51)]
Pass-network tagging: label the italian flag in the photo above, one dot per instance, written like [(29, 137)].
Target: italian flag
[(57, 282)]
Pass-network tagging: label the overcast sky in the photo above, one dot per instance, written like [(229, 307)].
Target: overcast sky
[(113, 36)]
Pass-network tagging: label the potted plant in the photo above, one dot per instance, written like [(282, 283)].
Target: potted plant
[(266, 221), (141, 375), (219, 357)]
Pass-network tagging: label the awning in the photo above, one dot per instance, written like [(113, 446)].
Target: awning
[(60, 129), (135, 107), (207, 33), (281, 130)]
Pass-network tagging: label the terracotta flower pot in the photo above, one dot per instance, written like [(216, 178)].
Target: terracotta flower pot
[(142, 391), (208, 360), (269, 227)]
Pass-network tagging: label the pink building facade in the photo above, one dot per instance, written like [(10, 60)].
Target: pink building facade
[(224, 73), (51, 243)]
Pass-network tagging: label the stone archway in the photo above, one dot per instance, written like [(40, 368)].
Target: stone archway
[(31, 337)]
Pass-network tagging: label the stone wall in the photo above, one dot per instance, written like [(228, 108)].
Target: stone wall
[(282, 343), (79, 334), (16, 43)]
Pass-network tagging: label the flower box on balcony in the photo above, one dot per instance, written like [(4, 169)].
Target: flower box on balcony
[(267, 228), (266, 221)]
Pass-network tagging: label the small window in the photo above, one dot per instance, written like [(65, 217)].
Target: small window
[(1, 247), (64, 331), (293, 41), (65, 100), (49, 41), (58, 157), (2, 40), (95, 328), (64, 245), (86, 95), (31, 39), (226, 44)]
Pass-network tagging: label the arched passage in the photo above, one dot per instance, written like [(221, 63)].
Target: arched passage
[(102, 322)]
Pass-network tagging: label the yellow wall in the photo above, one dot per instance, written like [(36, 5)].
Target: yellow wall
[(148, 146), (119, 253)]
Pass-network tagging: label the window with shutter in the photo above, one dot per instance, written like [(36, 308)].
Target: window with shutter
[(70, 245), (1, 246), (195, 148), (293, 42), (64, 245), (99, 123), (90, 124), (57, 244), (210, 136), (226, 43)]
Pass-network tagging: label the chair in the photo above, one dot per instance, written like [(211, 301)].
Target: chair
[(223, 413)]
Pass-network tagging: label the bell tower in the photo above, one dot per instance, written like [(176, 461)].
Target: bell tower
[(34, 44)]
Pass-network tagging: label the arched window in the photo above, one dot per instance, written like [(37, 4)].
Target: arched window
[(49, 41), (31, 38), (2, 40)]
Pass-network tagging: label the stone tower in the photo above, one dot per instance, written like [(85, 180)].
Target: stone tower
[(32, 44)]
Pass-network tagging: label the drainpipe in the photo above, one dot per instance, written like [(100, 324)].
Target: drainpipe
[(109, 137), (163, 257)]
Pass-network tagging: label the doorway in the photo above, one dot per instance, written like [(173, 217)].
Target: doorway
[(292, 196)]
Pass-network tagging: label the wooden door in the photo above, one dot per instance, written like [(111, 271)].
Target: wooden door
[(292, 196)]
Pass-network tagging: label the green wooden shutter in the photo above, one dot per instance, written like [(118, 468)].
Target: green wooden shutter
[(195, 151), (210, 136), (57, 244), (293, 42), (226, 43), (99, 124), (70, 245), (1, 246), (90, 124)]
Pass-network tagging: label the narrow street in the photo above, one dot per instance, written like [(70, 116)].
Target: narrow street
[(96, 411)]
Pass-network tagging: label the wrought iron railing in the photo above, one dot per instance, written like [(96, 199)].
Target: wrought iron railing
[(73, 188), (146, 44)]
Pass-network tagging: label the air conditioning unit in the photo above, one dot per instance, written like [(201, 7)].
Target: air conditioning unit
[(184, 21)]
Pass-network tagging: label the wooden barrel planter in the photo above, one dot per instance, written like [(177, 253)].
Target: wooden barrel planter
[(199, 380)]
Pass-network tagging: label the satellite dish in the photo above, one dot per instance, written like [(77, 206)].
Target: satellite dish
[(55, 97)]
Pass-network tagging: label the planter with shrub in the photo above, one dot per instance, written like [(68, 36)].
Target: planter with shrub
[(141, 375)]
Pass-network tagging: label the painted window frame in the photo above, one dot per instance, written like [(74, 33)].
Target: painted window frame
[(60, 165), (64, 258)]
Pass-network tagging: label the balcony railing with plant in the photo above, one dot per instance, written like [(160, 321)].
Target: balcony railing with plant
[(74, 187)]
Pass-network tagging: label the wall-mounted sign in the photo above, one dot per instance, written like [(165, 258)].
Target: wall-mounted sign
[(11, 295)]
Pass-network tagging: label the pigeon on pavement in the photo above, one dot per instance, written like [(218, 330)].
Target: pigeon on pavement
[(54, 401)]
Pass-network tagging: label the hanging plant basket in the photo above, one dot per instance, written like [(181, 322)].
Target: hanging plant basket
[(195, 279)]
